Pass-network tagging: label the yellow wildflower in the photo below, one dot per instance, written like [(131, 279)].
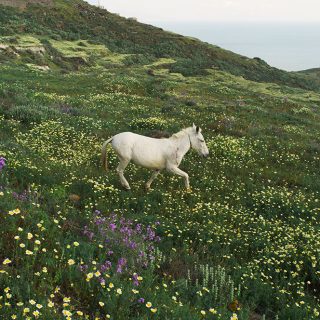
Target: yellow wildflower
[(234, 317), (6, 261), (36, 313), (71, 262)]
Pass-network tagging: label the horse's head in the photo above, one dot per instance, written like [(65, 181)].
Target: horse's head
[(197, 141)]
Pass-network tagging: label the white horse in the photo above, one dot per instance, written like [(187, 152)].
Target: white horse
[(155, 154)]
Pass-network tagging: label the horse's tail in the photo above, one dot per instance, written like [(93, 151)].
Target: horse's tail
[(104, 154)]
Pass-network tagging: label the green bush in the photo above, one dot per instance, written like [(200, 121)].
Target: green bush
[(28, 114)]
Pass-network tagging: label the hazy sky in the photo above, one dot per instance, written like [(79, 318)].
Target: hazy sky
[(215, 10)]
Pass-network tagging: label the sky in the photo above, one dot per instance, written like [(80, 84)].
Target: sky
[(150, 11)]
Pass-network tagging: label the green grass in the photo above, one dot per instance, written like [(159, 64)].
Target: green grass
[(84, 49), (249, 230), (252, 218), (24, 41)]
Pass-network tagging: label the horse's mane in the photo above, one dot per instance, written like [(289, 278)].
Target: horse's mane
[(181, 133)]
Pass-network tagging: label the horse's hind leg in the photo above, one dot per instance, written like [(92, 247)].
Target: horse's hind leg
[(120, 169), (154, 175)]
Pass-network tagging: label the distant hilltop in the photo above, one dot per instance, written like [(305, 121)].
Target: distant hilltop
[(23, 3)]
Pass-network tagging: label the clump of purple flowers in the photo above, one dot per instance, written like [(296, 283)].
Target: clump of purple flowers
[(21, 196), (2, 163), (128, 245)]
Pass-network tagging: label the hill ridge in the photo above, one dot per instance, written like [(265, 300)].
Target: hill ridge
[(77, 20), (24, 3)]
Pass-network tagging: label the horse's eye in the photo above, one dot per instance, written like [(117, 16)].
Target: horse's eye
[(201, 140)]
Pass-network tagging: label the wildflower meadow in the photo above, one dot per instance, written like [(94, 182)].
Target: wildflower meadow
[(242, 245)]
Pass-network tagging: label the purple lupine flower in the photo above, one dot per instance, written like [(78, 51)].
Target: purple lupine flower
[(2, 163), (150, 234), (126, 230), (99, 221), (139, 228), (88, 233), (83, 268), (119, 269), (121, 263), (135, 279), (21, 197), (132, 245), (106, 266), (141, 300), (112, 226), (127, 235)]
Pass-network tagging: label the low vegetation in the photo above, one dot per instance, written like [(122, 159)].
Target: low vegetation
[(244, 244)]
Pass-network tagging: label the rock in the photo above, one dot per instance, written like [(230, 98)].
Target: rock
[(74, 197)]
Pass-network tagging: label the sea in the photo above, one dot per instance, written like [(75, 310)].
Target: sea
[(287, 46)]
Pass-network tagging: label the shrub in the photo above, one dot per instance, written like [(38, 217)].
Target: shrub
[(140, 59), (190, 67), (152, 123), (32, 113)]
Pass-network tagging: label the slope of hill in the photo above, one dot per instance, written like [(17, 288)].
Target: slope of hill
[(22, 4), (244, 244), (73, 20)]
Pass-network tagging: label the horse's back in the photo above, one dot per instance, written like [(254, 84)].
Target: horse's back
[(127, 138), (144, 151)]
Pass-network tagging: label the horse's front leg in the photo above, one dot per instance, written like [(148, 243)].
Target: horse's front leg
[(181, 173), (153, 176)]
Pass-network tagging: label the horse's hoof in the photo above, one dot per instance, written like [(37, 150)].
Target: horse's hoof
[(189, 190), (148, 188)]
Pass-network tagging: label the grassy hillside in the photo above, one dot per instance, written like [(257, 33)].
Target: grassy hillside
[(244, 244), (74, 20), (313, 74)]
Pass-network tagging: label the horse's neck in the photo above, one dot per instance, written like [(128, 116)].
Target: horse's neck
[(183, 145)]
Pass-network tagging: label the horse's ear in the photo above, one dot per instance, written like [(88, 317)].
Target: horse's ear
[(197, 129), (193, 126)]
